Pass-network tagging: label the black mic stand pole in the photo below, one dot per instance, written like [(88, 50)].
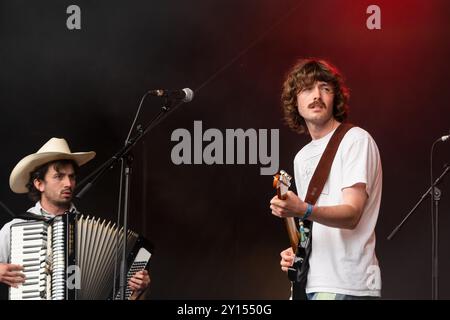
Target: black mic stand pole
[(110, 163), (436, 196), (427, 193), (7, 210), (124, 153)]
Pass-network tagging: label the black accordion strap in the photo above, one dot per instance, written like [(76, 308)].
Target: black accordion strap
[(31, 216)]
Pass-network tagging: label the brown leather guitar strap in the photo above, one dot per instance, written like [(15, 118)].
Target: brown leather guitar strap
[(315, 188), (322, 171)]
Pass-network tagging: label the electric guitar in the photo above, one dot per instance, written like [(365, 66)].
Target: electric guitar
[(298, 239)]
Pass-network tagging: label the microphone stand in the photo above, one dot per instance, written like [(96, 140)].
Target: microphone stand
[(428, 192), (436, 195), (124, 154), (7, 210)]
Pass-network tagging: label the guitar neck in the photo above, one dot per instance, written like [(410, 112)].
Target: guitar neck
[(282, 184), (290, 225), (292, 232)]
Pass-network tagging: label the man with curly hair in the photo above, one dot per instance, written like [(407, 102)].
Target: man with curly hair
[(342, 263)]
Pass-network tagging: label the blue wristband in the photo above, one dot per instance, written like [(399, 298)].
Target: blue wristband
[(308, 212)]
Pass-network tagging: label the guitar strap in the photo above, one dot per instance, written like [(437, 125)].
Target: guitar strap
[(315, 187)]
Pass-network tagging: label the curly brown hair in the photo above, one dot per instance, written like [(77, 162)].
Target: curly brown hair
[(303, 74)]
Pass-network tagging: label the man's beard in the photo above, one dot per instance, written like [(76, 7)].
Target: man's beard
[(63, 203)]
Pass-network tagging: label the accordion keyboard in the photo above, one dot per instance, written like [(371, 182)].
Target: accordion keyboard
[(30, 251)]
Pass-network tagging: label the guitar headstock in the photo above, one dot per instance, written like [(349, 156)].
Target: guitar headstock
[(282, 182)]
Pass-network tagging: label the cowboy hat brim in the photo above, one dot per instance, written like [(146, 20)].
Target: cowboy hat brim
[(21, 173)]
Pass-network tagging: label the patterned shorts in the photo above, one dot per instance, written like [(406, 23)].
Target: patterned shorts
[(337, 296)]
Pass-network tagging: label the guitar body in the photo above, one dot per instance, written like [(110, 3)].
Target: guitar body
[(298, 272)]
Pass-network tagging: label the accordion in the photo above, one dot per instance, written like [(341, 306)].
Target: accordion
[(73, 257)]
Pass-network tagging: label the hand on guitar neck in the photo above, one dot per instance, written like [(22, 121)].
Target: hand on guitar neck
[(282, 182), (286, 203)]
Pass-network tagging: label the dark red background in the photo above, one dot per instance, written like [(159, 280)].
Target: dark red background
[(214, 234)]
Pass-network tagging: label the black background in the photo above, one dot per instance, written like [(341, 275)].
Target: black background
[(214, 235)]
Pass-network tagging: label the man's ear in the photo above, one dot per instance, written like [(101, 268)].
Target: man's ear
[(39, 184)]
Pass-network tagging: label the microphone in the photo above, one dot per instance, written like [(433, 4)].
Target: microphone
[(185, 95), (444, 138)]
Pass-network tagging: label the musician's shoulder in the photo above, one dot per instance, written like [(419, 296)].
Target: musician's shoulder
[(356, 133), (8, 225)]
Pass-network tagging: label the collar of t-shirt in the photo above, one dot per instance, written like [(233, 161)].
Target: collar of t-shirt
[(324, 139), (38, 210)]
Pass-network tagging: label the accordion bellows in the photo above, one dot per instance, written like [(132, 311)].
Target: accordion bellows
[(69, 257)]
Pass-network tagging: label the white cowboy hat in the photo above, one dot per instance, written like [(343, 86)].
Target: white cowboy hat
[(54, 149)]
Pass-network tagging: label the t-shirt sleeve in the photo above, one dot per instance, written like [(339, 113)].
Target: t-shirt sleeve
[(360, 162)]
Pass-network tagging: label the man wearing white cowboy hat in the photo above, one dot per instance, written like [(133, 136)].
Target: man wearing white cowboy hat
[(49, 178)]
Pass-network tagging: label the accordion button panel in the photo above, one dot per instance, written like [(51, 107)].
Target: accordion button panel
[(139, 263)]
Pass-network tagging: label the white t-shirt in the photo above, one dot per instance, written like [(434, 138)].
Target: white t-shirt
[(343, 261)]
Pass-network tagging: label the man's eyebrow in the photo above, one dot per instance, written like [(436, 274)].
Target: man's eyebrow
[(65, 173)]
